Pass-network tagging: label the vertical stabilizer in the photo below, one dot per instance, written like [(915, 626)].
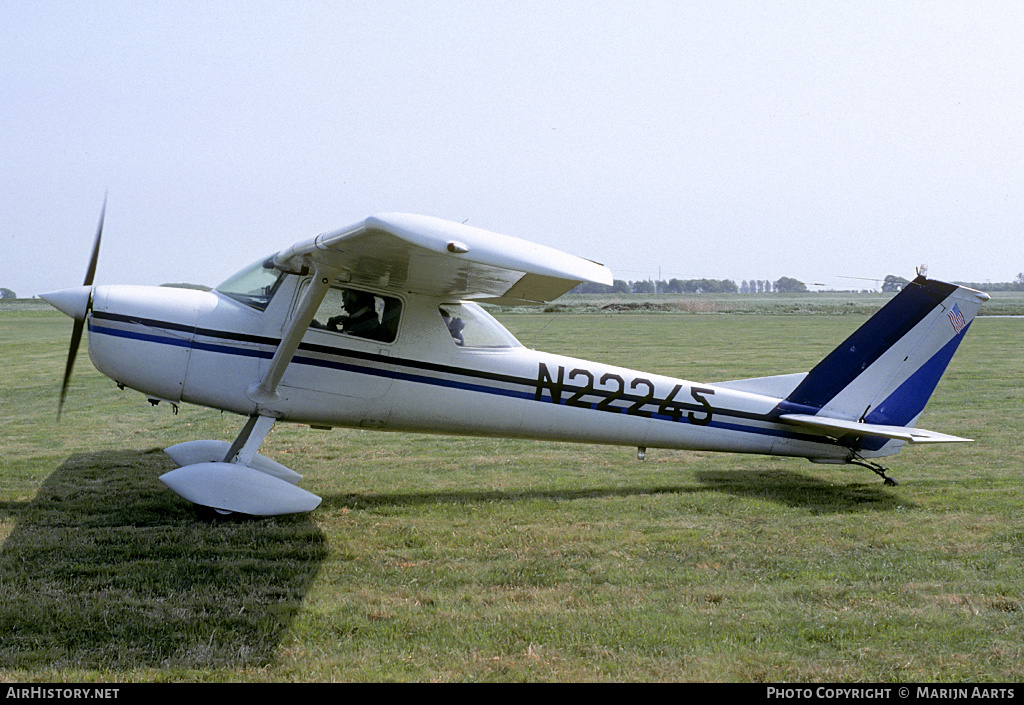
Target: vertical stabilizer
[(887, 369)]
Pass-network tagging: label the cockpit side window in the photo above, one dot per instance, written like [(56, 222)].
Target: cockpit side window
[(358, 313), (472, 327), (253, 286)]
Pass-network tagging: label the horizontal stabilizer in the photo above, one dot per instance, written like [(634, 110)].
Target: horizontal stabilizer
[(844, 427)]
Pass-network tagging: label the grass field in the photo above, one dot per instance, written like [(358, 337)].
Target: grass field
[(441, 559)]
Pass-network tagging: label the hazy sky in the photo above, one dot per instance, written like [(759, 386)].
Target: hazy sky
[(740, 140)]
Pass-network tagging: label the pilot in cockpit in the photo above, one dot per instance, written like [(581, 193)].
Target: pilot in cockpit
[(365, 315), (362, 314)]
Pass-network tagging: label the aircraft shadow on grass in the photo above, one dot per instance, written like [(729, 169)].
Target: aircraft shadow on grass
[(782, 486), (799, 490), (107, 569)]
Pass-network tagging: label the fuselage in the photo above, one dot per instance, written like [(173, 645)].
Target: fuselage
[(211, 349), (378, 326)]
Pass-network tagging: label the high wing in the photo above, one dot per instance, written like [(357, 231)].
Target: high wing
[(422, 255), (435, 257)]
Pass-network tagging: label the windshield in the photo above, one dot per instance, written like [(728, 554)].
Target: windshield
[(472, 327), (253, 286)]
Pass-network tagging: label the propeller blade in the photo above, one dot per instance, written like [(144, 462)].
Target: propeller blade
[(91, 272), (76, 338), (79, 325)]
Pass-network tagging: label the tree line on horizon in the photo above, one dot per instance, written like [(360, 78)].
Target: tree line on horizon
[(783, 285), (693, 286)]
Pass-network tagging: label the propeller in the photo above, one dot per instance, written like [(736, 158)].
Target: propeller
[(79, 325)]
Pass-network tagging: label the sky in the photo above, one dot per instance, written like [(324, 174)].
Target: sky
[(727, 140)]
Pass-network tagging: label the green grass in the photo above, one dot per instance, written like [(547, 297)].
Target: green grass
[(443, 559)]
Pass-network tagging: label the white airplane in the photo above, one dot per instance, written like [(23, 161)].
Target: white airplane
[(379, 326)]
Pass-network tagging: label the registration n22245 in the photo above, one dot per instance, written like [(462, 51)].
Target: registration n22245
[(580, 387)]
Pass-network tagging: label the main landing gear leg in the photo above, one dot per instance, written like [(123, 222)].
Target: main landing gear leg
[(249, 440)]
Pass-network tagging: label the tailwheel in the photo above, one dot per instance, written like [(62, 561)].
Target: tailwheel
[(877, 469)]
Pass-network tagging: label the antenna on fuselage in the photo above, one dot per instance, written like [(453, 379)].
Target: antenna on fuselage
[(541, 329)]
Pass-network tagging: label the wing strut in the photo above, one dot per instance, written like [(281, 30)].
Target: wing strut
[(266, 391)]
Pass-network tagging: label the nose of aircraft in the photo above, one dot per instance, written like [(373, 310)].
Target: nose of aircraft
[(74, 302)]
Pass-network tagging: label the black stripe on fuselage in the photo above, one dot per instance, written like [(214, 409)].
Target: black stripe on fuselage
[(412, 370)]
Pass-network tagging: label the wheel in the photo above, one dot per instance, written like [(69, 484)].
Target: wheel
[(214, 514)]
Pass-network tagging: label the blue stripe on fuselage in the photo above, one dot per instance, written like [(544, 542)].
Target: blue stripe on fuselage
[(479, 385)]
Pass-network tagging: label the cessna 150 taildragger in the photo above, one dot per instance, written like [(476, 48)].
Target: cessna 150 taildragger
[(379, 326)]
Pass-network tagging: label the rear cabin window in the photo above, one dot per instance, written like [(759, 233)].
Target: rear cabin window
[(472, 327), (358, 313)]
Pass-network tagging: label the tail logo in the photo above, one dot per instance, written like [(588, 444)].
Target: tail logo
[(956, 318)]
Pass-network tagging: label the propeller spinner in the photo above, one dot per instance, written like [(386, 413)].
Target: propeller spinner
[(76, 303)]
